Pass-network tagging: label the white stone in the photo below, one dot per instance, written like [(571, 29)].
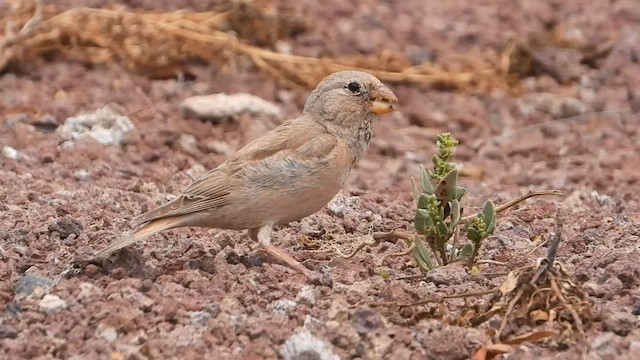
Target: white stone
[(282, 306), (52, 303), (304, 345), (10, 152), (222, 106), (108, 333), (105, 126), (307, 294)]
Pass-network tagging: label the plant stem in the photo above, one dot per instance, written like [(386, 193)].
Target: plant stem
[(513, 202)]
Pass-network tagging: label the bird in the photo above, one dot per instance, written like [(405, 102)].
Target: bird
[(287, 174)]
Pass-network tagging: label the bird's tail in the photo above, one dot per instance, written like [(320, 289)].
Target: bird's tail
[(148, 229)]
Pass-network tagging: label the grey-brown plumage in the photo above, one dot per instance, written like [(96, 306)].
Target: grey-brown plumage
[(285, 175)]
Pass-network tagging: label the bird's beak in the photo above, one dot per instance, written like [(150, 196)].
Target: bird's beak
[(382, 100)]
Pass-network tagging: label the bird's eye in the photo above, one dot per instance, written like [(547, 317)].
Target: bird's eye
[(354, 87)]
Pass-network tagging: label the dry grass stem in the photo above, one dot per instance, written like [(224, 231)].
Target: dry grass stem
[(159, 43)]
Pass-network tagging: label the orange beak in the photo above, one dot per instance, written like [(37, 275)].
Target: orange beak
[(382, 100)]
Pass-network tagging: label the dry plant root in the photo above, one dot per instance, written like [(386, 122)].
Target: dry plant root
[(540, 298), (543, 295)]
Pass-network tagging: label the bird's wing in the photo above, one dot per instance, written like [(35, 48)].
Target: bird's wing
[(275, 158)]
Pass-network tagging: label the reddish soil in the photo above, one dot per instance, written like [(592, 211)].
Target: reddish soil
[(191, 292)]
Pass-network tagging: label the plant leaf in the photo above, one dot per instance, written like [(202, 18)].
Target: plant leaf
[(416, 191), (466, 251), (473, 235), (424, 201), (489, 214), (447, 188), (443, 231), (455, 214), (425, 180), (422, 221), (421, 255)]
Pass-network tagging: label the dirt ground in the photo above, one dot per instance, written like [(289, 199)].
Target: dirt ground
[(190, 292)]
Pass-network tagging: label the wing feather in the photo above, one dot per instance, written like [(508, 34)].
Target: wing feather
[(274, 158)]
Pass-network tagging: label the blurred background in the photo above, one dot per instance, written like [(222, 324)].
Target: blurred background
[(101, 119)]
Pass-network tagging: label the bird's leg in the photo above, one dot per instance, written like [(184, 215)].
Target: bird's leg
[(263, 236)]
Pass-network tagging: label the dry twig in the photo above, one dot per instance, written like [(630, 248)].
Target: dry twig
[(155, 43)]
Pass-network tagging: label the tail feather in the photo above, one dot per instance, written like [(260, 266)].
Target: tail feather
[(150, 228)]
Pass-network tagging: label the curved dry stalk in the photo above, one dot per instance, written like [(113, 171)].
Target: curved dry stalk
[(377, 238), (511, 203), (398, 254), (438, 298)]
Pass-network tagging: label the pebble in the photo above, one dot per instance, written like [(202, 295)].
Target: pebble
[(7, 332), (305, 346), (282, 306), (636, 308), (556, 106), (223, 106), (108, 333), (52, 303), (29, 282), (105, 126), (200, 317), (307, 295), (343, 205), (366, 320), (86, 289), (10, 153), (82, 175), (66, 226)]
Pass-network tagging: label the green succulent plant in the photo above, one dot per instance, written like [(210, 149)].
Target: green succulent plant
[(439, 212)]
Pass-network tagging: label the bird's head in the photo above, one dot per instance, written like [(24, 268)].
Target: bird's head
[(350, 96)]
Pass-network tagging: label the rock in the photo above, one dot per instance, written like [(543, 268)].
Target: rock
[(108, 333), (342, 205), (52, 303), (554, 105), (564, 65), (29, 282), (188, 143), (602, 341), (10, 153), (105, 126), (217, 147), (365, 320), (636, 308), (307, 295), (199, 317), (66, 226), (282, 306), (602, 199), (304, 346), (7, 332), (452, 274), (86, 289), (140, 300), (196, 171), (220, 107), (82, 175), (13, 308), (620, 322)]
